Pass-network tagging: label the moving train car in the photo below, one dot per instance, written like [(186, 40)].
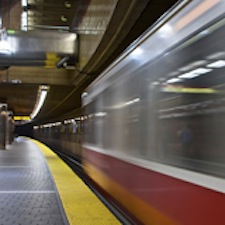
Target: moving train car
[(154, 122), (63, 136)]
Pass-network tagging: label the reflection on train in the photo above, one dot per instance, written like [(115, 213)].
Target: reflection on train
[(154, 121)]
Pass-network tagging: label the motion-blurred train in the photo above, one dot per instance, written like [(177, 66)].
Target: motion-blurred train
[(153, 128)]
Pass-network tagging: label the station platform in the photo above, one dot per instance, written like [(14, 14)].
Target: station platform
[(38, 188)]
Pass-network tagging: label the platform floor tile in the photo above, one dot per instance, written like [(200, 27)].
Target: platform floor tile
[(28, 194)]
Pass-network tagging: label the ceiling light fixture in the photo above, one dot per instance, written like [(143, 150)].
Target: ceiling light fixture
[(63, 18), (24, 3), (67, 4), (42, 94), (24, 22)]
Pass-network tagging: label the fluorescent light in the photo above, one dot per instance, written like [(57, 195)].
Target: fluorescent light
[(24, 3), (23, 118), (173, 80), (63, 19), (195, 73), (217, 64), (56, 124), (24, 21), (124, 104), (42, 94), (100, 114), (132, 101), (201, 71), (5, 47), (67, 4)]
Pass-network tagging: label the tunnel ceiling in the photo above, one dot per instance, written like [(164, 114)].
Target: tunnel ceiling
[(105, 29)]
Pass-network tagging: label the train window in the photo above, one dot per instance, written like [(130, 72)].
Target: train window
[(171, 110), (108, 126), (117, 117), (98, 118), (190, 109), (121, 103), (148, 112), (132, 115), (110, 116), (89, 123)]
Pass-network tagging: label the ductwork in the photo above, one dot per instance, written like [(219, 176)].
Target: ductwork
[(37, 48)]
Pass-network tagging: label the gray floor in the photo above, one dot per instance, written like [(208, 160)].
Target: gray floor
[(28, 194)]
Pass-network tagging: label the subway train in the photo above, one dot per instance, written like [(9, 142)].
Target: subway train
[(153, 125), (64, 135)]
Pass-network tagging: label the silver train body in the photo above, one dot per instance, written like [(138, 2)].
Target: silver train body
[(155, 120), (170, 80)]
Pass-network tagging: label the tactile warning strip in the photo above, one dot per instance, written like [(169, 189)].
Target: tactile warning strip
[(80, 203)]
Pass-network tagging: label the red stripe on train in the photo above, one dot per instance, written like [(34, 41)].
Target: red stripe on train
[(182, 201)]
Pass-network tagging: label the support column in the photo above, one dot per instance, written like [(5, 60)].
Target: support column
[(10, 128), (3, 121)]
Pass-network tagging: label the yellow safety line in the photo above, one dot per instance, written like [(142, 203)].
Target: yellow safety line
[(80, 203)]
